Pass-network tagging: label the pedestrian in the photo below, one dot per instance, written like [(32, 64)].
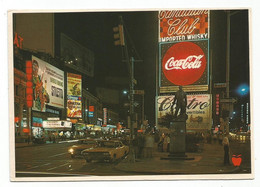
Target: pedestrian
[(226, 150), (140, 145), (149, 144), (28, 139), (166, 143)]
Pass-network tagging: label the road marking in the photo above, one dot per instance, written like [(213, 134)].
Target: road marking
[(57, 155), (58, 166), (40, 166)]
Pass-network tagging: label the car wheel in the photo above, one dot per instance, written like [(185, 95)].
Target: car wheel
[(88, 160)]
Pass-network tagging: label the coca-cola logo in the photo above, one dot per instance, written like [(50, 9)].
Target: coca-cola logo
[(191, 62), (184, 63)]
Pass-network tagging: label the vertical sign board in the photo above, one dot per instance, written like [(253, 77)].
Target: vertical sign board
[(29, 84), (198, 110), (48, 85), (183, 38), (74, 96), (105, 116)]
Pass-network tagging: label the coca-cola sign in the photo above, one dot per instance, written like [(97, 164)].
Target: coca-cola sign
[(181, 25), (184, 63)]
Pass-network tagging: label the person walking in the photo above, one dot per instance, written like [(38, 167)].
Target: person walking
[(166, 143), (226, 150), (149, 144)]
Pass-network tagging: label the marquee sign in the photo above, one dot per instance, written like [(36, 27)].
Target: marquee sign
[(183, 25), (184, 63)]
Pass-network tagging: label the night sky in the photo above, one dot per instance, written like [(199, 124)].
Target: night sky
[(94, 31)]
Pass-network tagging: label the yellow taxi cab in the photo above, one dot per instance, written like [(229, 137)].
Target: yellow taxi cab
[(106, 151), (82, 144)]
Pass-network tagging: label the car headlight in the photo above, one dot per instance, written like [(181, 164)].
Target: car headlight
[(71, 150)]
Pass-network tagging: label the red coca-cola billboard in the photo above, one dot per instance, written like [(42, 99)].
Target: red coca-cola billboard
[(184, 63)]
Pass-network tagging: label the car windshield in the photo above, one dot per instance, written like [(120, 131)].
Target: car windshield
[(108, 144)]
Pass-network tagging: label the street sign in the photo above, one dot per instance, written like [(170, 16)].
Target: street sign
[(138, 92), (220, 85), (228, 100)]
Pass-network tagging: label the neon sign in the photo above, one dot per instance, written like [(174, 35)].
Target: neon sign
[(18, 41), (180, 25), (29, 84)]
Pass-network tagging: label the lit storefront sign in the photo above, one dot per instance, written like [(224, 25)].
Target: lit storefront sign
[(74, 95), (29, 84), (217, 104), (48, 85), (37, 122), (56, 124), (183, 25), (184, 63), (198, 110), (18, 41), (105, 116)]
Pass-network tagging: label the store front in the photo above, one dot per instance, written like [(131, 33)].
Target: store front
[(57, 130)]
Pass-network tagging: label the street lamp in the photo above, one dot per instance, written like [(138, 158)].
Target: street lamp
[(124, 92), (243, 90)]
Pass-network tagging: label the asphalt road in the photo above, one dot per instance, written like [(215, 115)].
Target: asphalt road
[(54, 160)]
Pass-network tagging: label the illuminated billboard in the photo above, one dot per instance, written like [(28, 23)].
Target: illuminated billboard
[(74, 95), (182, 25), (198, 110), (184, 63), (48, 85)]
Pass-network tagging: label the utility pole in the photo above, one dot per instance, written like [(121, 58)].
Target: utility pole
[(120, 41)]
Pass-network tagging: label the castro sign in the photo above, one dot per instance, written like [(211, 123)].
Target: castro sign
[(184, 63)]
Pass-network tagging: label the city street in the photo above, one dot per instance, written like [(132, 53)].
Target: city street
[(53, 160), (144, 94)]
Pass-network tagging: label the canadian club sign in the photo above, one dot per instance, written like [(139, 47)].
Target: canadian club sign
[(184, 63), (181, 25)]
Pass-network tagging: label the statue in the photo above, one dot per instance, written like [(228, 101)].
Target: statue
[(180, 100)]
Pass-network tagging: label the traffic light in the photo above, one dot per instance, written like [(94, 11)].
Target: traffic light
[(119, 35)]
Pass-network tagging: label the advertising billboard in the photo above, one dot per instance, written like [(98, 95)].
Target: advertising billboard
[(74, 95), (184, 63), (198, 110), (76, 56), (48, 85), (74, 84), (182, 25)]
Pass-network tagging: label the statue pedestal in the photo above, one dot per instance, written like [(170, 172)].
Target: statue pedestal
[(177, 141)]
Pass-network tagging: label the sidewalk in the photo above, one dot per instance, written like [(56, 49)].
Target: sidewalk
[(209, 161)]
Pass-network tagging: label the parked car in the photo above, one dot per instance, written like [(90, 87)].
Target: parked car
[(82, 144), (106, 151)]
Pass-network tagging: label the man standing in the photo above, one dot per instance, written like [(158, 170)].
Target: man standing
[(180, 99)]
